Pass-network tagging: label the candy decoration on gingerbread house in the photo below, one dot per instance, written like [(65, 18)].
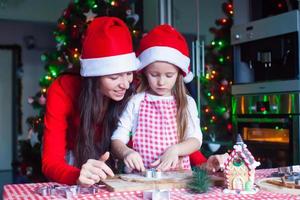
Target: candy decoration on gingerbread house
[(239, 169)]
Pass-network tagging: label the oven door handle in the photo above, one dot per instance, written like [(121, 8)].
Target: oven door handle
[(263, 120)]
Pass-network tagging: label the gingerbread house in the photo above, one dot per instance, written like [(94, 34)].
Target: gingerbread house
[(239, 168)]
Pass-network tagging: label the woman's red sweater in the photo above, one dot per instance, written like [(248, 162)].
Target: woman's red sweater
[(61, 126)]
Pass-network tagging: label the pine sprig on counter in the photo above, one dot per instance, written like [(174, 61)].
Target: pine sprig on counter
[(200, 182)]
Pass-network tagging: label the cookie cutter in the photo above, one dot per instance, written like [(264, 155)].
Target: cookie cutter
[(290, 172), (66, 191), (156, 195), (153, 173)]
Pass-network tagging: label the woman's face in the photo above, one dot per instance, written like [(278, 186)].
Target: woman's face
[(114, 86)]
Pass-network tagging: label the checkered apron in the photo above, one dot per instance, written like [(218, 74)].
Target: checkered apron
[(156, 131)]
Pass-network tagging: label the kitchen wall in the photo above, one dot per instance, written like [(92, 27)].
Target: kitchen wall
[(14, 32), (185, 16)]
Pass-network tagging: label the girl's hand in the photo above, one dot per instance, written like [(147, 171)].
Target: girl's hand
[(94, 170), (168, 160), (216, 162), (133, 160)]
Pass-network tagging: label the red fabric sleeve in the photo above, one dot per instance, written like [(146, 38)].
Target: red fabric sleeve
[(58, 109), (197, 158)]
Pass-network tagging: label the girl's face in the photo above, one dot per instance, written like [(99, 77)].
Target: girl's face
[(114, 86), (161, 77)]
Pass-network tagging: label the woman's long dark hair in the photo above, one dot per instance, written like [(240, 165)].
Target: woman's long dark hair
[(99, 117)]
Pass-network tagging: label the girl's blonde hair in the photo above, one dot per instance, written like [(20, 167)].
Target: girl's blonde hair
[(180, 93)]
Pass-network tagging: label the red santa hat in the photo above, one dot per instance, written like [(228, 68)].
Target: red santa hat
[(107, 48), (165, 43)]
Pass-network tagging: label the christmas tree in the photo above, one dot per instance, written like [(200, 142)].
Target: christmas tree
[(68, 35), (215, 85)]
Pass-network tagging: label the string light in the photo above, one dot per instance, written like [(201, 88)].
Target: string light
[(207, 76), (75, 55), (44, 90), (221, 44), (54, 74), (221, 60)]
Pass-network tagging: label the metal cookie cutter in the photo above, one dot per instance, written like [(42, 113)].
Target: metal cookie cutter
[(66, 191), (156, 195), (153, 173)]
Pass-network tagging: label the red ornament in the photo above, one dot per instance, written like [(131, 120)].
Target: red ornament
[(61, 26), (229, 127), (229, 6), (224, 20)]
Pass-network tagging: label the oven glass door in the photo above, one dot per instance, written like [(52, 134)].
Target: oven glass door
[(268, 138)]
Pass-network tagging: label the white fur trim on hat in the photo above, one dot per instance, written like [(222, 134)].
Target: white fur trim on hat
[(167, 54), (188, 78), (109, 65)]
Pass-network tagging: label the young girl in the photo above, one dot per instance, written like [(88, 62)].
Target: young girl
[(162, 118)]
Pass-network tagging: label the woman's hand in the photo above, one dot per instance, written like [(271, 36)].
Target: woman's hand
[(168, 160), (215, 162), (133, 160), (94, 170)]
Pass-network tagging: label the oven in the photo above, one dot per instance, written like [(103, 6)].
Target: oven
[(269, 125)]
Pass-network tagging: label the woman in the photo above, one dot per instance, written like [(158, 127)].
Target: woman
[(82, 112)]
